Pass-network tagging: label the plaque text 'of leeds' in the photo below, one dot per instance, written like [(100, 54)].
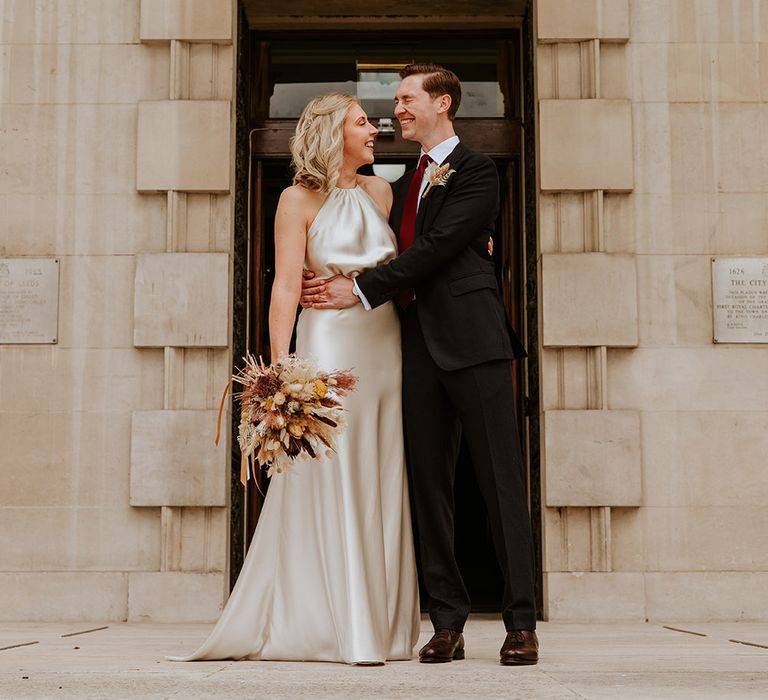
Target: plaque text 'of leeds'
[(29, 300), (740, 300)]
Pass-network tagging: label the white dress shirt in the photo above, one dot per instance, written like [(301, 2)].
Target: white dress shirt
[(438, 154)]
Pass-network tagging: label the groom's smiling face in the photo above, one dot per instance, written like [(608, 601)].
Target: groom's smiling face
[(417, 111)]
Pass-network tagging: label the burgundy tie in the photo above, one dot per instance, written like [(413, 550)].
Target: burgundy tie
[(408, 222)]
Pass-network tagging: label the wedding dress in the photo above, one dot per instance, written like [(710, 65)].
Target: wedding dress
[(330, 574)]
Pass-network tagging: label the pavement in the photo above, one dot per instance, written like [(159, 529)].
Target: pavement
[(627, 661)]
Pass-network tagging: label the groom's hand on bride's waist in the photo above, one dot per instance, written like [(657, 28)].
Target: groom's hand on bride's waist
[(330, 293)]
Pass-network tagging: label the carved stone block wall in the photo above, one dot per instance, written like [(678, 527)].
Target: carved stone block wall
[(174, 596), (589, 145), (180, 300), (184, 145), (582, 20), (187, 20), (595, 457), (595, 596), (589, 299), (174, 461), (688, 82)]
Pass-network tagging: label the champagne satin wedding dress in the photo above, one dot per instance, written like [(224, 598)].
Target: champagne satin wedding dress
[(330, 573)]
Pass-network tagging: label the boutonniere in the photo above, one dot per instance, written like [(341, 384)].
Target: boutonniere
[(438, 177)]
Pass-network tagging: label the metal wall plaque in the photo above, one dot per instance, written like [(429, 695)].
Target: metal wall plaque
[(740, 300), (29, 300)]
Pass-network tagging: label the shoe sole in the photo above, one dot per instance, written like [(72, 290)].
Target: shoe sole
[(519, 662), (458, 656)]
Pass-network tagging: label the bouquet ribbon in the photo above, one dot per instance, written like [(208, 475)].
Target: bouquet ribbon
[(244, 458)]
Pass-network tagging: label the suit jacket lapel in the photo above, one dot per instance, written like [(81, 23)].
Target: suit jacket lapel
[(434, 199)]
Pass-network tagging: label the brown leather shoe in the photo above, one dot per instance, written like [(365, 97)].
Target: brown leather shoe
[(520, 648), (445, 645)]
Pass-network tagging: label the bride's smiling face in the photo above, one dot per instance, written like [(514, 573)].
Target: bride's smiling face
[(359, 136)]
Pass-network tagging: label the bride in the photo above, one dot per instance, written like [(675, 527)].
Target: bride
[(330, 573)]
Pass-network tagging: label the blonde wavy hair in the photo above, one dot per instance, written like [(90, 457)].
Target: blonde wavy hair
[(317, 146)]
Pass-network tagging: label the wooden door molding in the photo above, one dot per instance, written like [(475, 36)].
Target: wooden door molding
[(401, 14), (497, 138)]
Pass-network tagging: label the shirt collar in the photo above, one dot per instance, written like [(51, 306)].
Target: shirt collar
[(443, 149)]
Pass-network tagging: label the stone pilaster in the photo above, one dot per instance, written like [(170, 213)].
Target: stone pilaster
[(182, 303), (591, 454)]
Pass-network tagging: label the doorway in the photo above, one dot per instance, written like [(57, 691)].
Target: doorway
[(492, 124)]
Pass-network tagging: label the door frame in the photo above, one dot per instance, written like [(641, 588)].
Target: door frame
[(511, 138)]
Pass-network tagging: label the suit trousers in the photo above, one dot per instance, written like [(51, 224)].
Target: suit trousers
[(438, 406)]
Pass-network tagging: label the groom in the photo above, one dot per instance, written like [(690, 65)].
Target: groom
[(457, 347)]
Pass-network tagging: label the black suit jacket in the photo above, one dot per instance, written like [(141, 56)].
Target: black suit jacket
[(459, 307)]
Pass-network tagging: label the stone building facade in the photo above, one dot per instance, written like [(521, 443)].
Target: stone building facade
[(118, 157)]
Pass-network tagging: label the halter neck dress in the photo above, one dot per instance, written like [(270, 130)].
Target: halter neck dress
[(330, 574)]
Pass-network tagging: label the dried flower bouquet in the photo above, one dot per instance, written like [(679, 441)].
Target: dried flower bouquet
[(290, 410)]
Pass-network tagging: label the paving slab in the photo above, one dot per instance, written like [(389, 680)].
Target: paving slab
[(627, 661)]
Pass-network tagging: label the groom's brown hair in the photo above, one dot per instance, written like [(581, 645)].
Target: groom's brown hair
[(437, 81)]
